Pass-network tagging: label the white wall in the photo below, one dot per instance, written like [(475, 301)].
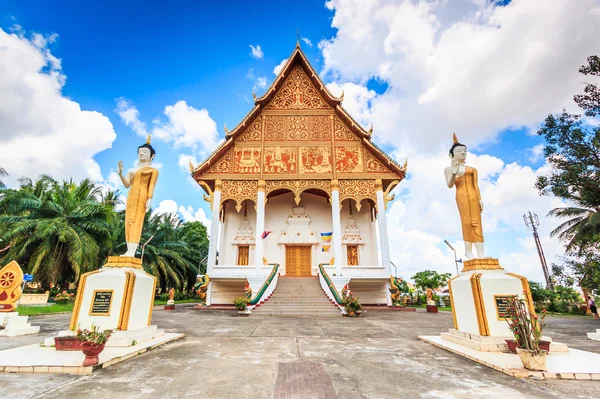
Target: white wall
[(228, 251), (368, 251)]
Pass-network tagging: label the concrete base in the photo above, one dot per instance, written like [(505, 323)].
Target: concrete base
[(491, 344), (594, 335), (121, 338), (39, 359), (15, 325), (572, 365)]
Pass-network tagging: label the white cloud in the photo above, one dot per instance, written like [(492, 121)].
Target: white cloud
[(261, 84), (257, 52), (357, 100), (186, 126), (279, 66), (478, 69), (186, 213), (536, 153), (250, 74), (41, 130), (307, 41)]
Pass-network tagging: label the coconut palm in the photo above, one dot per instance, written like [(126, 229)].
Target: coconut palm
[(57, 230), (580, 228), (2, 173)]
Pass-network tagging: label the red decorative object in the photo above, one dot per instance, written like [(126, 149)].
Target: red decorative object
[(432, 309), (545, 345), (511, 345), (91, 352), (67, 344), (169, 307)]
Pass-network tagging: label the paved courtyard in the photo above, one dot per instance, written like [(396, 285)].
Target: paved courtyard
[(225, 356)]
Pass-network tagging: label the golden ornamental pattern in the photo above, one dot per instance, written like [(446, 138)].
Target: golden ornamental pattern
[(320, 128), (252, 133), (297, 92), (298, 186), (275, 127), (238, 191), (358, 190), (297, 128), (222, 165), (342, 133), (373, 164)]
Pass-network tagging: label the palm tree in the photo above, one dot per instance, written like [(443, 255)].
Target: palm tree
[(56, 229), (2, 173), (580, 228)]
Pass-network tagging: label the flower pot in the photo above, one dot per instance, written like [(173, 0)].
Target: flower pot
[(545, 345), (511, 344), (91, 352), (351, 313), (67, 344), (358, 312), (531, 361)]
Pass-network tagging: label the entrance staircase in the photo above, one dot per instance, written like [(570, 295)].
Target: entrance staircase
[(298, 296)]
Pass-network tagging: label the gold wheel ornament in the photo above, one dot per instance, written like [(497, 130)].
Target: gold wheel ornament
[(7, 279)]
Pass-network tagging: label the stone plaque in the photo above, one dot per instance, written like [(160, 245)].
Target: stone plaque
[(502, 306), (101, 301)]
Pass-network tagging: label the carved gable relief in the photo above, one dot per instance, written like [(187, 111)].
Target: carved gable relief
[(253, 132), (373, 165), (280, 160), (245, 160), (348, 159), (297, 93), (320, 128), (315, 160), (223, 165), (352, 233), (297, 128), (342, 133), (244, 235), (275, 127)]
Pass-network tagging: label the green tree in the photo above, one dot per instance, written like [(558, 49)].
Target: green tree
[(430, 279), (2, 174), (573, 151), (56, 230), (584, 270), (539, 293)]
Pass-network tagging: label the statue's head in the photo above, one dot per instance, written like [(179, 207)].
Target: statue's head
[(146, 152), (458, 151)]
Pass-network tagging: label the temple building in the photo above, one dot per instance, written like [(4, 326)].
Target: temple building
[(298, 189)]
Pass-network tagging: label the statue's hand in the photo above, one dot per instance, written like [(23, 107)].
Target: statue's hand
[(481, 205), (120, 167), (454, 167), (148, 204)]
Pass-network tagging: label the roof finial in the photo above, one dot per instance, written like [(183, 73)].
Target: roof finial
[(371, 130), (226, 130), (191, 166), (148, 139), (254, 95), (298, 37), (454, 139), (342, 96)]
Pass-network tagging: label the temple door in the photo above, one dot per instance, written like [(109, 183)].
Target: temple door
[(298, 261)]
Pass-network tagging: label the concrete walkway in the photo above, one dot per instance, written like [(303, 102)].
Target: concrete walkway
[(225, 356)]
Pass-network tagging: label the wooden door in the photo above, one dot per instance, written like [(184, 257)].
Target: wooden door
[(298, 261)]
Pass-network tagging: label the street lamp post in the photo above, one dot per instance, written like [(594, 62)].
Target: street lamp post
[(456, 261)]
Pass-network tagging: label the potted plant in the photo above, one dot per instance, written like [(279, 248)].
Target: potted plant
[(241, 304), (63, 298), (92, 343), (527, 331)]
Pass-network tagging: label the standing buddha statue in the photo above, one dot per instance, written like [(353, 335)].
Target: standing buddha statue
[(468, 198), (141, 184)]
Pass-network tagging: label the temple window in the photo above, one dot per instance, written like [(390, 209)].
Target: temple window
[(352, 251), (243, 255)]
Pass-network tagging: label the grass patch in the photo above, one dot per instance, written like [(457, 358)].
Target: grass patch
[(448, 308), (159, 302), (42, 310)]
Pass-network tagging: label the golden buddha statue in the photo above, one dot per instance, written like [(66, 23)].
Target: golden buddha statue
[(141, 184), (468, 198)]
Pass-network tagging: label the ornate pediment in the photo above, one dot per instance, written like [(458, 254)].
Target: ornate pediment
[(298, 92)]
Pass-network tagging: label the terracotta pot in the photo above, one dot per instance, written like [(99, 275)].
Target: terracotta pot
[(531, 361), (358, 312), (91, 352), (511, 344), (67, 344), (351, 313), (545, 345)]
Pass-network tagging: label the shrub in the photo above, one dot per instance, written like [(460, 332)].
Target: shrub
[(240, 303)]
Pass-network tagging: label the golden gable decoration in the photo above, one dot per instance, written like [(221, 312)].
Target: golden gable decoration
[(297, 128), (342, 133), (253, 133), (298, 187), (297, 93), (358, 190), (373, 165), (245, 160), (222, 166), (275, 126), (320, 127), (238, 191)]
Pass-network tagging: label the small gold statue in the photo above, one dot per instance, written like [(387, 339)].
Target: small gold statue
[(141, 184), (172, 294), (468, 198)]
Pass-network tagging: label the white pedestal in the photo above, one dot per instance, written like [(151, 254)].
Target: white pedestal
[(15, 325), (594, 335)]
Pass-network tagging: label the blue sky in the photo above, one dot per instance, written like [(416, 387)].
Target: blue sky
[(417, 71)]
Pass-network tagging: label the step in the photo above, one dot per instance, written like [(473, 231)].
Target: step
[(20, 331), (594, 336)]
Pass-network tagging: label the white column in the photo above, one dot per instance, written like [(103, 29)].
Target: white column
[(383, 235), (336, 228), (260, 227), (214, 228)]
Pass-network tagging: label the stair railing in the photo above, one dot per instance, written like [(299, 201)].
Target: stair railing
[(268, 286), (328, 287)]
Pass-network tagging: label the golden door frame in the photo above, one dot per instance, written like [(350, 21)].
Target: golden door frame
[(302, 267)]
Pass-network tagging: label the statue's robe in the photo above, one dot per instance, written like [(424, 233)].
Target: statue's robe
[(467, 199), (140, 190)]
